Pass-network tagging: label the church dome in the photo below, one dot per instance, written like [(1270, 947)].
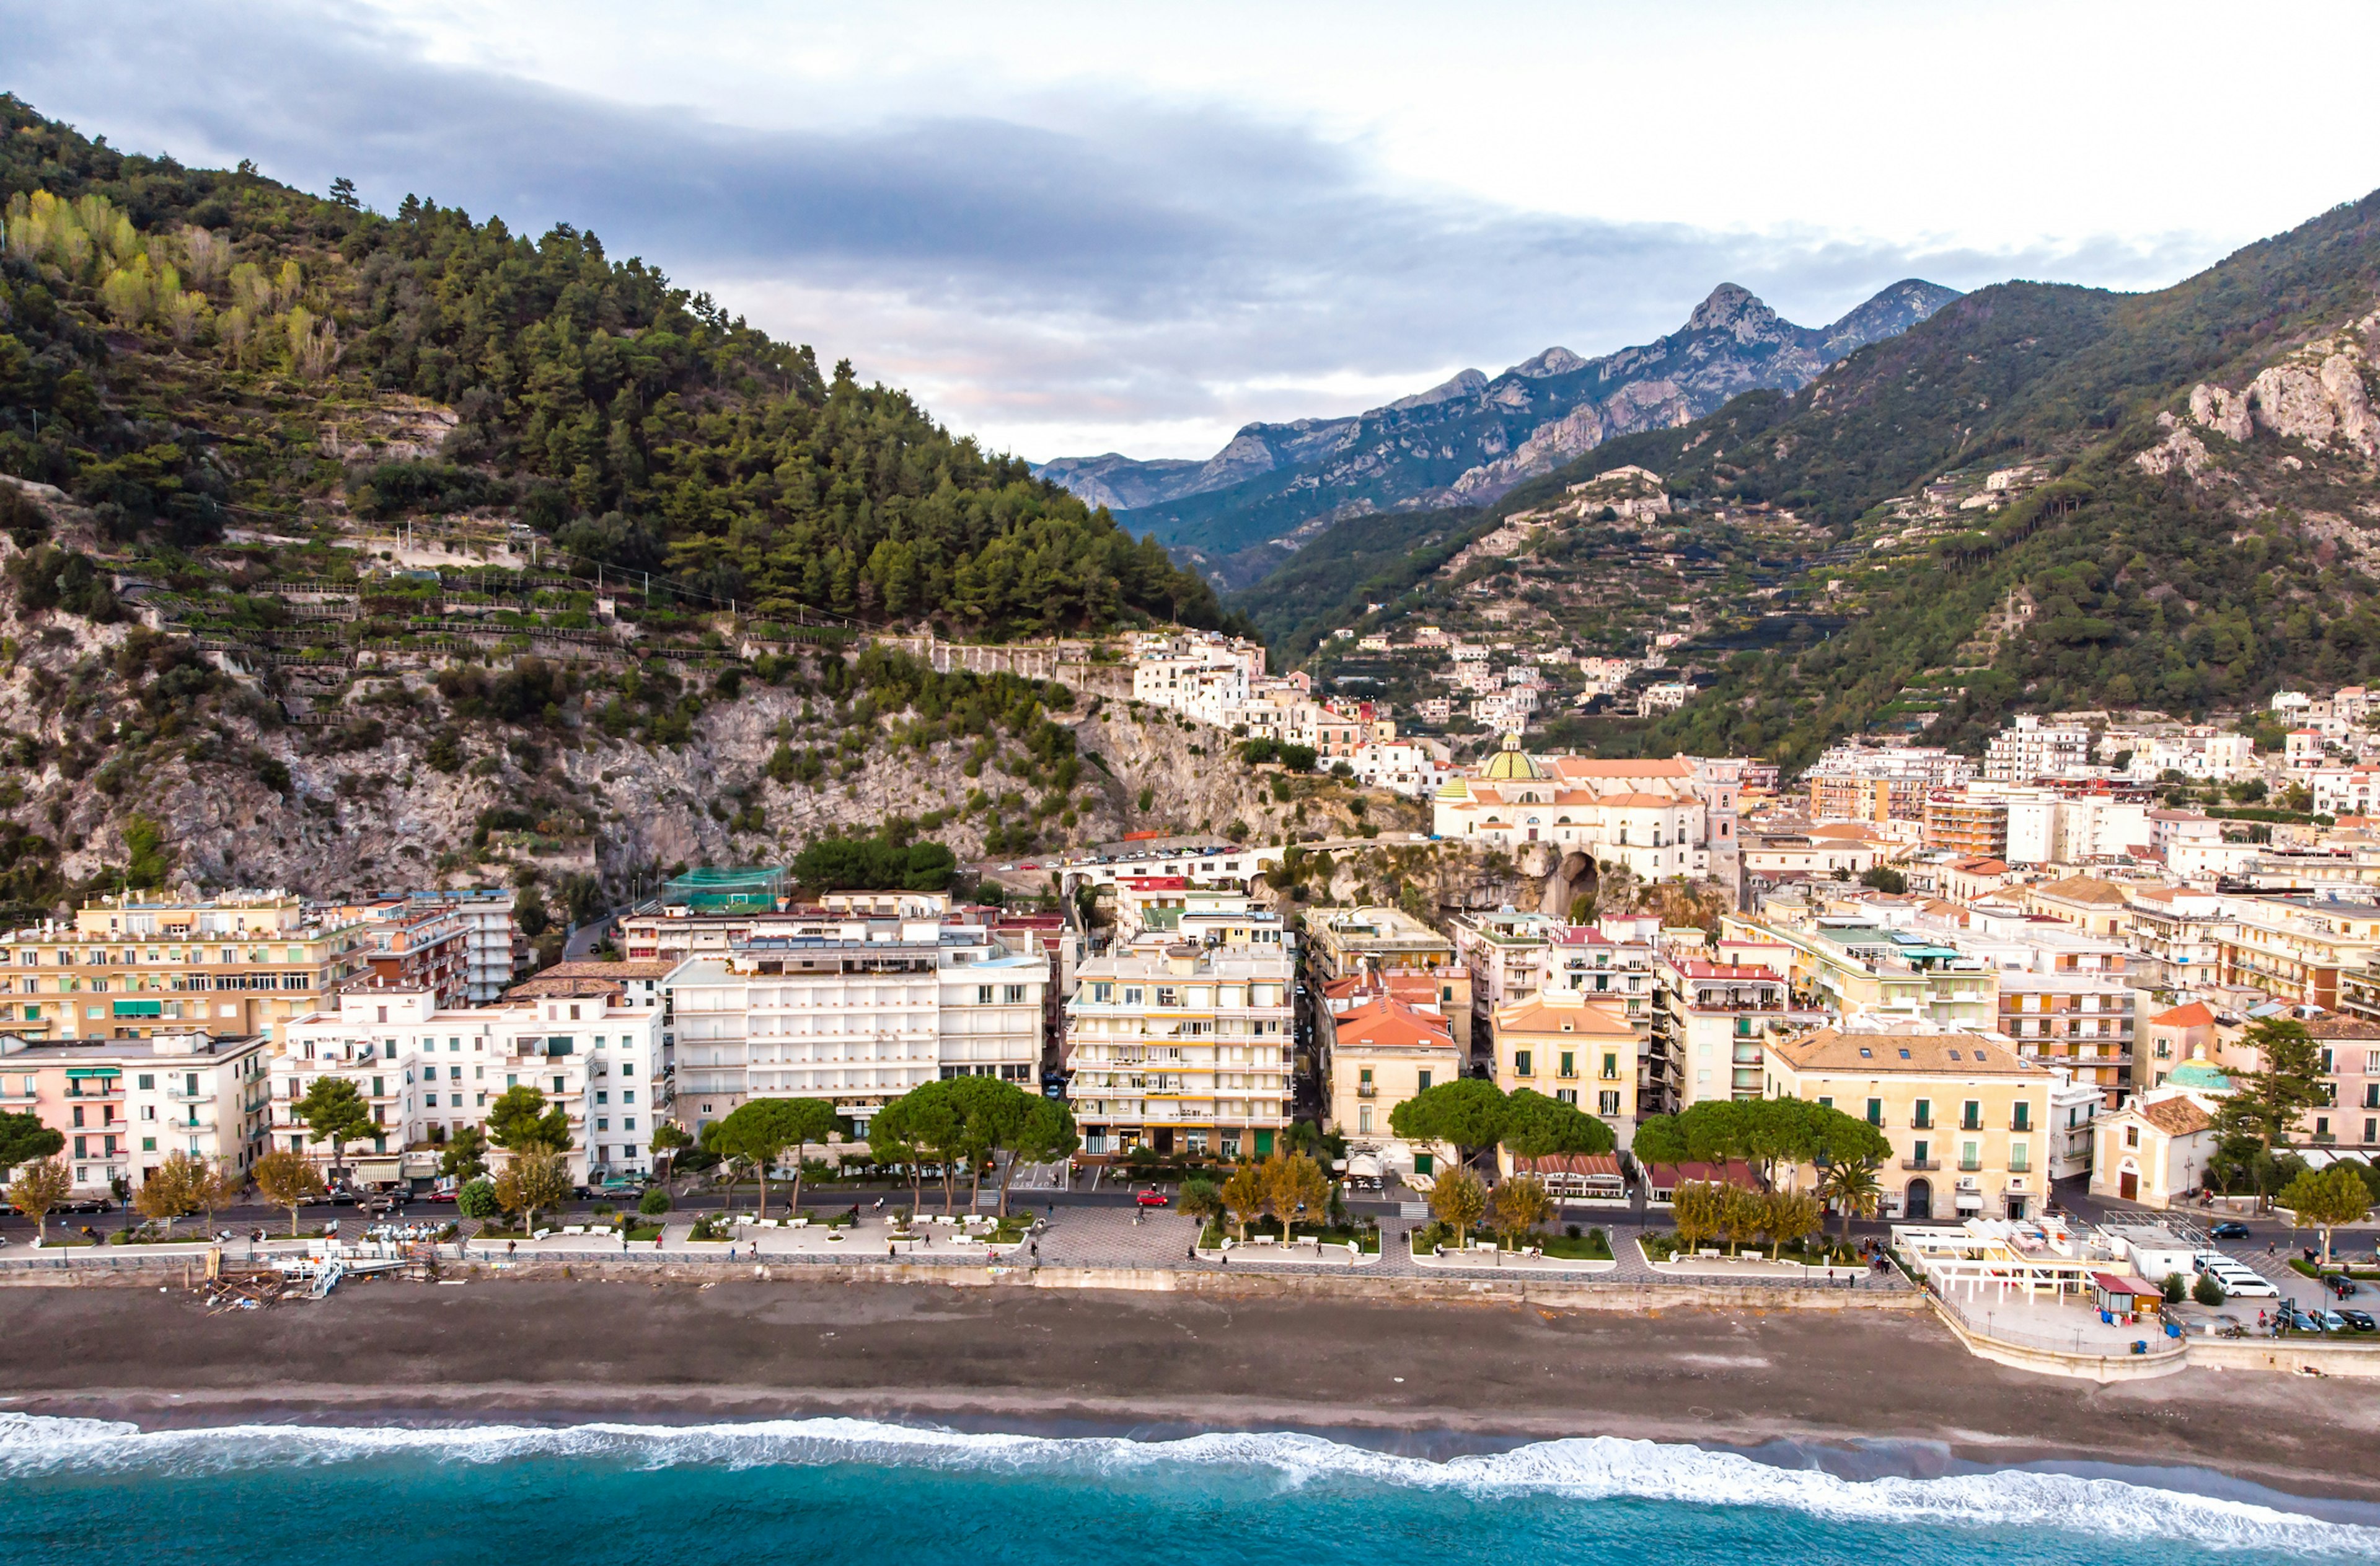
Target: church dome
[(1511, 762)]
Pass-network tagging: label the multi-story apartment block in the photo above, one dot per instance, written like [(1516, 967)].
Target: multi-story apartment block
[(1711, 1020), (1849, 966), (1966, 824), (858, 1014), (413, 944), (494, 950), (134, 967), (2064, 998), (2297, 949), (1183, 1049), (2029, 749), (1575, 1048), (1856, 782), (428, 1070), (123, 1105), (2176, 934), (1504, 952), (1967, 1117), (1343, 941)]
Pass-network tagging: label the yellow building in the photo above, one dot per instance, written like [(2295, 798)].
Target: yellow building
[(1378, 1051), (1569, 1047), (130, 967), (1967, 1116)]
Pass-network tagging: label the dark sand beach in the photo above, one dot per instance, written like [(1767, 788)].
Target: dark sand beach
[(1112, 1359)]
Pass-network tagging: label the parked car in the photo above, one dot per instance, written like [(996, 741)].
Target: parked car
[(442, 1194), (2332, 1321), (2360, 1320), (2298, 1320), (2230, 1229), (1150, 1197), (2340, 1286)]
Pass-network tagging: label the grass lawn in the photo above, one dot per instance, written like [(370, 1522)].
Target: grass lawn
[(1593, 1245), (646, 1233)]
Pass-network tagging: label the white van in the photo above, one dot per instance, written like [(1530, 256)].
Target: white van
[(2236, 1276)]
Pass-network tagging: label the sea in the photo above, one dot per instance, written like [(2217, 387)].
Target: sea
[(616, 1494)]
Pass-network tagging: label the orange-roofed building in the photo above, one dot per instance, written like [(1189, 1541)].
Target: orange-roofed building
[(2176, 1036), (1377, 1051)]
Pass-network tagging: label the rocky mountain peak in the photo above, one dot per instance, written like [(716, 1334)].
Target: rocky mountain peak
[(1736, 310), (1466, 384)]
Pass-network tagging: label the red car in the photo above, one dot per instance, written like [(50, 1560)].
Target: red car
[(1151, 1198)]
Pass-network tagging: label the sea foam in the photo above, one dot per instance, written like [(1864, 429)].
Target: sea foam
[(1583, 1468)]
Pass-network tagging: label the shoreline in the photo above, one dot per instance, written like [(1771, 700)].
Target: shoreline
[(1474, 1375)]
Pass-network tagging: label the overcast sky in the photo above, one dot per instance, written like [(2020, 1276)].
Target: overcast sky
[(1076, 228)]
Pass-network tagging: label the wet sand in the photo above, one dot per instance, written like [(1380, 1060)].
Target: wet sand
[(1112, 1360)]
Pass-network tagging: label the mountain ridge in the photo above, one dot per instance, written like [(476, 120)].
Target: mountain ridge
[(1469, 439)]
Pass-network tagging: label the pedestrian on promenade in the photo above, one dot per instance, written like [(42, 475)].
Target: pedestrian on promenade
[(511, 1248)]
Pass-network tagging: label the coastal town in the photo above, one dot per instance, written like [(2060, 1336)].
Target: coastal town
[(2076, 1044)]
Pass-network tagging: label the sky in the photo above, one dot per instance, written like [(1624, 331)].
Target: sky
[(1074, 228)]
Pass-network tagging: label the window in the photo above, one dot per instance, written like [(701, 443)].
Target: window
[(148, 1144), (2131, 1137), (1922, 1117), (1568, 1064), (1611, 1066), (1971, 1115), (1423, 1079), (1103, 992), (1607, 1103), (1875, 1111), (983, 994), (2023, 1119), (147, 1081), (1970, 1157), (1363, 1118), (2020, 1158), (1523, 1063), (1014, 994)]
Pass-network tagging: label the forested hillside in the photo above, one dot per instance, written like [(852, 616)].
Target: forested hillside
[(180, 346)]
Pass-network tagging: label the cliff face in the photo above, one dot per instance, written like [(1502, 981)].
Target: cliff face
[(391, 779), (1472, 438)]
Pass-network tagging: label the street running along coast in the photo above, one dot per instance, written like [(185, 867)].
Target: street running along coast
[(551, 1349)]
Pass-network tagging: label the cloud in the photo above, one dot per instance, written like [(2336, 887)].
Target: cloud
[(1147, 276)]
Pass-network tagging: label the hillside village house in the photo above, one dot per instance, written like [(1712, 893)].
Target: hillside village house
[(123, 1105), (1966, 1115)]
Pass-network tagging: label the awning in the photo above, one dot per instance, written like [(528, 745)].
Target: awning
[(1970, 1202), (94, 1071), (377, 1167), (139, 1008)]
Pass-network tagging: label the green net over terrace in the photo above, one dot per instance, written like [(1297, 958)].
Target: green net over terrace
[(727, 889)]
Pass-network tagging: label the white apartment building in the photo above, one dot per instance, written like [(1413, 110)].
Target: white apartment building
[(1182, 1048), (1416, 769), (2028, 750), (858, 1017), (426, 1072), (2345, 791), (123, 1105), (2199, 753)]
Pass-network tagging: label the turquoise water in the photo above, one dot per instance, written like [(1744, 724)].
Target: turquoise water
[(883, 1495)]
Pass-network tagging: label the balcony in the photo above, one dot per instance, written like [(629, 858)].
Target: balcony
[(1366, 1091), (1921, 1123), (1921, 1164), (1971, 1123)]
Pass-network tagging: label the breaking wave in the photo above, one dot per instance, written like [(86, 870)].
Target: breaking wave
[(1583, 1469)]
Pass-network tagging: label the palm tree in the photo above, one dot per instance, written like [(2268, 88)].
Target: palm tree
[(1851, 1186)]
